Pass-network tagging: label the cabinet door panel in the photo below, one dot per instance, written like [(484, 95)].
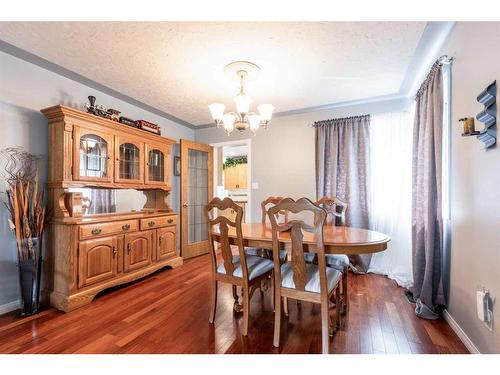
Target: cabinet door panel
[(242, 176), (157, 160), (92, 155), (129, 160), (230, 178), (96, 260), (138, 248), (166, 243)]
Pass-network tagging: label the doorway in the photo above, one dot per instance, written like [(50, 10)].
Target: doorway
[(232, 173)]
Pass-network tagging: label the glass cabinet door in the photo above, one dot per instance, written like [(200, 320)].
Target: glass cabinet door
[(157, 161), (92, 156), (128, 161)]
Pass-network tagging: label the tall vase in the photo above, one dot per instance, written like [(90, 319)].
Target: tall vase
[(29, 280)]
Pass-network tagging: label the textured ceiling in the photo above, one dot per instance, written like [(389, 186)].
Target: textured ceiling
[(177, 67)]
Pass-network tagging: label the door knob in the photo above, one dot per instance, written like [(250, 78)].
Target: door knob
[(185, 205)]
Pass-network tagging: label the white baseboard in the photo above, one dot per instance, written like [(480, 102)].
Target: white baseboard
[(8, 307), (460, 333)]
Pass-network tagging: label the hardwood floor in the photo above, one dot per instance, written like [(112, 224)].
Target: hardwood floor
[(168, 313)]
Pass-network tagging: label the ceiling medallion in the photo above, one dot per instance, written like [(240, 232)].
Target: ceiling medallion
[(241, 119)]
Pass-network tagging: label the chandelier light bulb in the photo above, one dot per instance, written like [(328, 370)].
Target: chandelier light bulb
[(217, 111), (228, 119), (266, 111), (243, 103), (254, 122)]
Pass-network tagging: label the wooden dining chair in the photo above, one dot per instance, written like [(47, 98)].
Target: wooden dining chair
[(297, 279), (281, 217), (335, 215), (245, 271)]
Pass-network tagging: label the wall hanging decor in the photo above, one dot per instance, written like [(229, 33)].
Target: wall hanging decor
[(488, 115), (177, 165)]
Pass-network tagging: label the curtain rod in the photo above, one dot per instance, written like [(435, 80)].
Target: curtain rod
[(329, 121), (443, 60), (446, 60)]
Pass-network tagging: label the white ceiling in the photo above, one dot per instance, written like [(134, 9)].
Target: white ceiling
[(177, 67)]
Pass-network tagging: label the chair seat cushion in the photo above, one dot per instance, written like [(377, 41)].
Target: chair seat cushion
[(309, 257), (256, 266), (312, 274), (338, 261), (255, 251)]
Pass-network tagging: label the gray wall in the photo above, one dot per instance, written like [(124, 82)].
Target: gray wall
[(282, 157), (24, 90), (475, 181)]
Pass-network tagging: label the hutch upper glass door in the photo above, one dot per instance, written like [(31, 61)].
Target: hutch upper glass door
[(129, 165), (157, 163), (92, 155)]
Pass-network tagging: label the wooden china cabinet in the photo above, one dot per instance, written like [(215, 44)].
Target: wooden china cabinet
[(87, 253)]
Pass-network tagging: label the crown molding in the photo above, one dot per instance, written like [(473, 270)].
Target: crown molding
[(62, 71)]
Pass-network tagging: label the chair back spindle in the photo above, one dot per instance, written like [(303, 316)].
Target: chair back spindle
[(297, 229), (335, 210), (281, 215), (217, 205)]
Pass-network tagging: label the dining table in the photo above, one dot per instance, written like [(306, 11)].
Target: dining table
[(337, 239)]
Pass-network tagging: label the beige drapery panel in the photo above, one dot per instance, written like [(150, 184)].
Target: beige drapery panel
[(427, 220), (342, 170)]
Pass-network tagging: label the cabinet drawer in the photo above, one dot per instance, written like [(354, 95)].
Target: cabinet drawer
[(101, 229), (158, 222)]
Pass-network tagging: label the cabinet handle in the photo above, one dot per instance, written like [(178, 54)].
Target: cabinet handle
[(126, 227), (170, 221), (151, 223), (128, 248), (160, 240), (96, 231), (114, 251)]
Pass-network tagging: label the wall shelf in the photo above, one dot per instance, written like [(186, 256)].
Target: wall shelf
[(488, 115)]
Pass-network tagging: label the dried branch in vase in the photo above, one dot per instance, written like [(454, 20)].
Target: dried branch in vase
[(24, 200)]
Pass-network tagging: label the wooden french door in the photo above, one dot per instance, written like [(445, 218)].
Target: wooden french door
[(196, 192)]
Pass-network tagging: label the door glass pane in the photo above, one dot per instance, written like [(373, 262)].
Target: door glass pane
[(93, 156), (156, 165), (129, 161), (197, 195)]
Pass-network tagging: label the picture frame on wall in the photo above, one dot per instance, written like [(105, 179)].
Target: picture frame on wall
[(177, 165)]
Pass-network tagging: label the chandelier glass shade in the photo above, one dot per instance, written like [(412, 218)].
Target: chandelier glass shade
[(242, 119)]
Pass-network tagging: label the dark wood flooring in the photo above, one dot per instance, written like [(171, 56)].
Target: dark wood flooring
[(167, 312)]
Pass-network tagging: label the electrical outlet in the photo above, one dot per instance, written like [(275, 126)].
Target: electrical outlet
[(255, 185), (484, 306)]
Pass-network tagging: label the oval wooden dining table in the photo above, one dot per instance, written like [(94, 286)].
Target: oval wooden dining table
[(337, 240)]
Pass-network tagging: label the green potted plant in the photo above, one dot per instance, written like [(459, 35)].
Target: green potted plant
[(25, 202)]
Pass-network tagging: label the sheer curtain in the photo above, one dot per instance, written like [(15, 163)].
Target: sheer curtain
[(391, 179)]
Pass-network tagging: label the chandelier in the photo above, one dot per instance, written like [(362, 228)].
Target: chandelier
[(241, 119)]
